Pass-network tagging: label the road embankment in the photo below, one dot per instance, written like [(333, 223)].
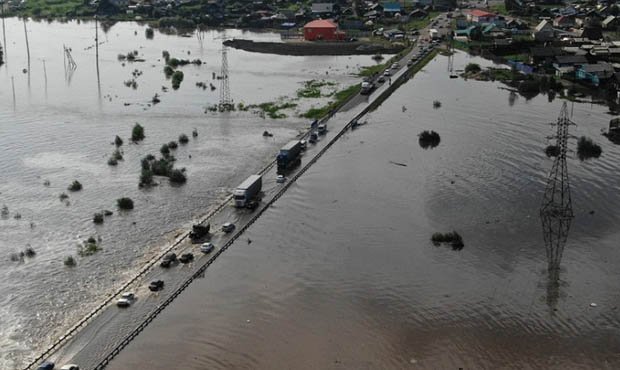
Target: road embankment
[(301, 48)]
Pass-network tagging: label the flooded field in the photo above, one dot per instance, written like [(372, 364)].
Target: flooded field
[(59, 125), (341, 272)]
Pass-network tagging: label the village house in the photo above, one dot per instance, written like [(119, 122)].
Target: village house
[(391, 9), (594, 74), (564, 21), (543, 31), (480, 16), (610, 23)]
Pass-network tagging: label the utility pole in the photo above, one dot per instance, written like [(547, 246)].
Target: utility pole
[(3, 32), (556, 212), (27, 44)]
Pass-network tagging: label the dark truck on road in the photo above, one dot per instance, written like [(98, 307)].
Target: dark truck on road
[(289, 156)]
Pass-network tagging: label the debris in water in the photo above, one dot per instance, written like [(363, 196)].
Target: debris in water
[(429, 139), (436, 104), (593, 304), (452, 238), (404, 108), (398, 164), (267, 134)]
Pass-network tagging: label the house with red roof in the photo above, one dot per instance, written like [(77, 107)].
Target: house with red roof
[(480, 16), (322, 30)]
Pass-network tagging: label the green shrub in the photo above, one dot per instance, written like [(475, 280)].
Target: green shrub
[(137, 133), (118, 155), (149, 32), (125, 203), (173, 145), (472, 68), (63, 196), (552, 151), (183, 139), (75, 186), (88, 247), (118, 141)]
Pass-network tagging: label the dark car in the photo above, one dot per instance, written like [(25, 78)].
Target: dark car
[(186, 258), (46, 365), (156, 285), (168, 260), (313, 137)]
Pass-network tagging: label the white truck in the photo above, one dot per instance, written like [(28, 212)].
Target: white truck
[(433, 33), (248, 190)]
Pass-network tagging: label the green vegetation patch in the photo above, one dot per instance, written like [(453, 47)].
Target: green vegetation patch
[(312, 88), (272, 109), (340, 96)]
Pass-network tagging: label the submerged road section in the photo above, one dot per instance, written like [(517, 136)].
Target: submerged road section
[(101, 335)]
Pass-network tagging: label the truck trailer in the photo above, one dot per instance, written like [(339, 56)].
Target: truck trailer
[(289, 155), (434, 34), (248, 190)]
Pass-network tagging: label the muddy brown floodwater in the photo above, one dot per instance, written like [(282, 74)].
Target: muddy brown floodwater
[(341, 273)]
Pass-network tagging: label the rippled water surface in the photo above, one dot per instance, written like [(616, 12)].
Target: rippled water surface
[(340, 272), (58, 126)]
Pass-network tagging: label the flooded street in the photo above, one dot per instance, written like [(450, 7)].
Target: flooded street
[(59, 128), (341, 273)]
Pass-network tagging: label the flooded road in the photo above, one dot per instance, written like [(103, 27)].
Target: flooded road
[(60, 126), (341, 272)]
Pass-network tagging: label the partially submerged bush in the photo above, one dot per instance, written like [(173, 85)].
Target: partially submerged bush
[(173, 145), (75, 186), (108, 213), (168, 71), (586, 148), (112, 161), (146, 178), (428, 139), (98, 218), (149, 32), (452, 238), (137, 133), (69, 261), (183, 139), (177, 78), (164, 150), (125, 203), (63, 196), (88, 247), (436, 104), (177, 177), (118, 141), (29, 252), (118, 155), (552, 151), (195, 133)]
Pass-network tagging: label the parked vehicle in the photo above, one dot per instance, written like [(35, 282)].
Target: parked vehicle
[(248, 190), (186, 258), (395, 66), (410, 63), (280, 179), (433, 33), (322, 129), (303, 144), (381, 79), (199, 231), (122, 302), (387, 73), (168, 260), (70, 367), (156, 285), (46, 365), (314, 137), (207, 248), (228, 227), (289, 155)]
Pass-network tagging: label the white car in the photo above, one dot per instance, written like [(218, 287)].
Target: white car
[(207, 247), (395, 66), (70, 367), (228, 227), (387, 73), (280, 179), (128, 295), (123, 302)]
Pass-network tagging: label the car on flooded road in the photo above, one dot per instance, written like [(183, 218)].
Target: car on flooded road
[(228, 227), (207, 248)]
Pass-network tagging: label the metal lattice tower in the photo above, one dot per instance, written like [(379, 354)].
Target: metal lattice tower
[(556, 212), (557, 199), (226, 103)]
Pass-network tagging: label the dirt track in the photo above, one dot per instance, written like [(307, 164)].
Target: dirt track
[(312, 48)]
